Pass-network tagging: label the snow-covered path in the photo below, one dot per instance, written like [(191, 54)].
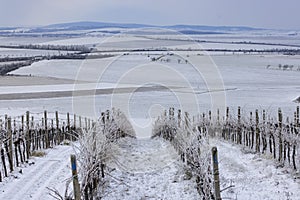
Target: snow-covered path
[(254, 176), (149, 169), (51, 171)]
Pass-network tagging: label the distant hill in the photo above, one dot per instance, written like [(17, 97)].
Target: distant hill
[(213, 28), (95, 25), (84, 27)]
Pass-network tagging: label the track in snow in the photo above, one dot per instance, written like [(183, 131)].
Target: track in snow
[(50, 171), (149, 169)]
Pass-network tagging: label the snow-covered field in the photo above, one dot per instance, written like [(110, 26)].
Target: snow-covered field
[(247, 83)]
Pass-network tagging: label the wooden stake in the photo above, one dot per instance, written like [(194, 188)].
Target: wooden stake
[(10, 145), (68, 126), (75, 121), (179, 117), (46, 130), (298, 125), (239, 126), (216, 173), (80, 123), (22, 121), (5, 125), (27, 136), (76, 186), (57, 120), (280, 134), (257, 135), (86, 127)]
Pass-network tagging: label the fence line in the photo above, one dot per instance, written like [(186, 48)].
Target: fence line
[(258, 132), (21, 136)]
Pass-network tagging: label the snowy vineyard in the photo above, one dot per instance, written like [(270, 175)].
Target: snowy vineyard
[(192, 146), (96, 143), (257, 133), (260, 133), (22, 137), (28, 135), (96, 147)]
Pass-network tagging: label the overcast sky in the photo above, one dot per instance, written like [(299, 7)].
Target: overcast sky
[(282, 14)]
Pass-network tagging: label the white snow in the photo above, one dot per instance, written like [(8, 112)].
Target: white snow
[(148, 169), (51, 171), (253, 176), (57, 88)]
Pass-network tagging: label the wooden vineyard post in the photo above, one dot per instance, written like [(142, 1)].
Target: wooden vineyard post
[(57, 120), (15, 126), (216, 173), (52, 134), (80, 123), (179, 117), (22, 121), (32, 122), (74, 122), (46, 130), (74, 127), (297, 116), (239, 126), (85, 119), (103, 118), (218, 117), (257, 135), (186, 119), (76, 187), (3, 161), (16, 144), (1, 149), (34, 138), (211, 131), (5, 122), (295, 143), (264, 133), (58, 136), (107, 115), (10, 145), (27, 136), (203, 123), (280, 134), (252, 131), (173, 113), (227, 133), (68, 131)]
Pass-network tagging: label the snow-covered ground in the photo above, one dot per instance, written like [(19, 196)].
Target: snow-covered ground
[(148, 169), (254, 176), (52, 171)]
